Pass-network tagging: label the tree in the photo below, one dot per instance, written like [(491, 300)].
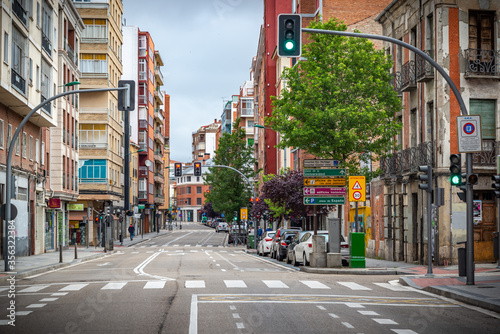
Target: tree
[(230, 191), (338, 103)]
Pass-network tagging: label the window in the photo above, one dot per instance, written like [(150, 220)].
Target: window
[(142, 46), (93, 134), (486, 109), (92, 170), (37, 77), (1, 134), (198, 201), (6, 47), (47, 28), (198, 190), (43, 153), (188, 179), (93, 63), (38, 14), (9, 135), (188, 201), (46, 84), (37, 151), (188, 190), (25, 145), (31, 148), (31, 72), (18, 61), (142, 69), (481, 53)]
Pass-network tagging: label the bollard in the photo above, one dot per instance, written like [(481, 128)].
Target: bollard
[(60, 254), (76, 254)]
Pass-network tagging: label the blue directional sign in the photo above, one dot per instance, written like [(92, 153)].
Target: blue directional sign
[(315, 172), (324, 200)]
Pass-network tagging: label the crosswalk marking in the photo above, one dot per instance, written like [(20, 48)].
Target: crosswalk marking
[(59, 294), (354, 286), (393, 287), (275, 284), (386, 322), (155, 285), (368, 312), (48, 299), (315, 284), (23, 312), (187, 245), (195, 284), (35, 305), (73, 287), (3, 289), (34, 288), (235, 284), (114, 286)]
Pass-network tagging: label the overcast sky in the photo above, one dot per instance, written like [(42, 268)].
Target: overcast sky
[(207, 48)]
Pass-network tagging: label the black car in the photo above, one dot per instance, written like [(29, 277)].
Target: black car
[(284, 240)]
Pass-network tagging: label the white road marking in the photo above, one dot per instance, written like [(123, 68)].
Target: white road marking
[(48, 299), (103, 264), (218, 265), (3, 289), (114, 286), (314, 284), (155, 285), (354, 286), (348, 325), (73, 287), (34, 288), (23, 312), (150, 252), (368, 312), (322, 308), (275, 284), (386, 321), (140, 268), (194, 284), (240, 325), (223, 270), (393, 287), (354, 305), (187, 245), (59, 294), (236, 316), (135, 252), (4, 322), (232, 308), (235, 284), (176, 245), (403, 331), (333, 315), (193, 317), (35, 305)]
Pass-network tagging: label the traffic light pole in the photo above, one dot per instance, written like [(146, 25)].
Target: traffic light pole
[(9, 224), (463, 110)]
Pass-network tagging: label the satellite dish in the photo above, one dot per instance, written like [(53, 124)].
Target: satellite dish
[(148, 163)]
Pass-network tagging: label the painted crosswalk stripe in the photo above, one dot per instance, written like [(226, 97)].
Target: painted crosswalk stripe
[(348, 325), (354, 286), (177, 245), (23, 312), (368, 312), (35, 288), (393, 287), (48, 299), (135, 252), (73, 287), (3, 289), (403, 331), (386, 321), (155, 285), (315, 284), (35, 305), (187, 245), (333, 315), (275, 284), (195, 284), (114, 286), (235, 284)]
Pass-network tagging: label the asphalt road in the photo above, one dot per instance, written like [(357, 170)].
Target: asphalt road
[(187, 281)]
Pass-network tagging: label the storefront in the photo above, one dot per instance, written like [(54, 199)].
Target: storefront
[(49, 230), (78, 226)]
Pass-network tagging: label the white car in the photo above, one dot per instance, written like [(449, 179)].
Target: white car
[(302, 251), (222, 226), (264, 245)]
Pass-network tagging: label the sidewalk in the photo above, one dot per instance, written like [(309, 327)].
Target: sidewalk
[(36, 264)]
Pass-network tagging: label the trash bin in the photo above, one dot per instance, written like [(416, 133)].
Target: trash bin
[(251, 241), (462, 261)]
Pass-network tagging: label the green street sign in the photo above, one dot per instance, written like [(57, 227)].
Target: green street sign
[(324, 200), (314, 172)]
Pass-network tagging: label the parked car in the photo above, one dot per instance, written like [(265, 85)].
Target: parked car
[(275, 242), (302, 251), (283, 242), (222, 226), (344, 250), (264, 245), (291, 246)]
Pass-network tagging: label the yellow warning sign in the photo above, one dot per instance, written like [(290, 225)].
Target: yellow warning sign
[(357, 189)]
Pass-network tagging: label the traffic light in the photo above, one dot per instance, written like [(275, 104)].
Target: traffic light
[(178, 169), (197, 169), (426, 177), (496, 185), (101, 215), (254, 200), (289, 35), (96, 220), (455, 169), (126, 101)]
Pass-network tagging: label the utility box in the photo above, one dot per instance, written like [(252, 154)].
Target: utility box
[(357, 250)]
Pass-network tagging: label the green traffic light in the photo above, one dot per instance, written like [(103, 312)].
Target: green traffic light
[(289, 45), (455, 180)]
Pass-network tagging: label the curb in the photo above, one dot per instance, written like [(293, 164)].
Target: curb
[(349, 271), (52, 267), (447, 292)]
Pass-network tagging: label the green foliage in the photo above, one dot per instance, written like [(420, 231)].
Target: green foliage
[(339, 102), (230, 191)]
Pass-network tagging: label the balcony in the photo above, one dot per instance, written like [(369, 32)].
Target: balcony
[(159, 137), (158, 75), (247, 111), (94, 68), (159, 96), (46, 107), (407, 161), (143, 195), (18, 82), (158, 156), (408, 81), (249, 130), (482, 63), (85, 146), (21, 13), (396, 82), (159, 178), (158, 115), (159, 198), (70, 52), (46, 44), (488, 156), (143, 171), (425, 71)]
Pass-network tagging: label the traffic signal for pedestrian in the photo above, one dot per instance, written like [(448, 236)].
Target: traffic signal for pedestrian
[(496, 185), (197, 169), (425, 177), (177, 169), (289, 35), (455, 169)]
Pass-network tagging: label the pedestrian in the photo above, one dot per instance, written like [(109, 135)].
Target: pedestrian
[(259, 233), (131, 230)]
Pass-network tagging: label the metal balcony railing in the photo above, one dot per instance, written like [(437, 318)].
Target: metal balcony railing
[(425, 71), (407, 161), (46, 44), (396, 82), (21, 13), (47, 107), (482, 62), (408, 76), (18, 81), (488, 156)]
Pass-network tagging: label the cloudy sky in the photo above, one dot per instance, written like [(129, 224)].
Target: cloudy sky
[(207, 48)]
